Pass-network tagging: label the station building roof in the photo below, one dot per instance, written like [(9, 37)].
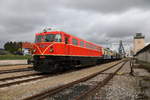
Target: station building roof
[(27, 45), (139, 36), (143, 50)]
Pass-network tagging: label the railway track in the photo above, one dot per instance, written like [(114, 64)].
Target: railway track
[(40, 76), (15, 82), (17, 77), (87, 94), (16, 70), (58, 89)]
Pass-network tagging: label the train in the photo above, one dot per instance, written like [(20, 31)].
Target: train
[(56, 50)]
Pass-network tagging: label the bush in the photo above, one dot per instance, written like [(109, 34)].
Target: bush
[(4, 52)]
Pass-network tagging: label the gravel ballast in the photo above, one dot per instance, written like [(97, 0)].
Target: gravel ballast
[(31, 88), (122, 87), (126, 87)]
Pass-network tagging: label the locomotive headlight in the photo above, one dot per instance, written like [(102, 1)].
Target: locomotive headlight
[(34, 50), (51, 49)]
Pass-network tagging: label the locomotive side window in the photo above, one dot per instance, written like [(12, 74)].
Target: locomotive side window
[(75, 42), (81, 43), (88, 45), (38, 38)]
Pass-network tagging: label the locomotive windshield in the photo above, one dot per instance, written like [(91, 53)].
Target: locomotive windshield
[(48, 38)]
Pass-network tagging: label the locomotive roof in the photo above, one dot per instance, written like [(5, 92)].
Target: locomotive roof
[(61, 32)]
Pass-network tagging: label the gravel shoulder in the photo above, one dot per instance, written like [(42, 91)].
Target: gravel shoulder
[(127, 87)]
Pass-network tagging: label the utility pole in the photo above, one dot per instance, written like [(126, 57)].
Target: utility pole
[(121, 49)]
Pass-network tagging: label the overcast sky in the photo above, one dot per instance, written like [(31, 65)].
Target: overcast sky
[(98, 21)]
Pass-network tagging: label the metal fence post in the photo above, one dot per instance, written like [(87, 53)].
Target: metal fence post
[(131, 66)]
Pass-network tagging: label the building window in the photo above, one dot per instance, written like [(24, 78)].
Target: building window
[(74, 42)]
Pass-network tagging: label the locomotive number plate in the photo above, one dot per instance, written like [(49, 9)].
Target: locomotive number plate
[(42, 57)]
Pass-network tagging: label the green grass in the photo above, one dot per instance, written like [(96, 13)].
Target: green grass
[(14, 57)]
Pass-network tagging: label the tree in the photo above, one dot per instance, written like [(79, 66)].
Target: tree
[(13, 47)]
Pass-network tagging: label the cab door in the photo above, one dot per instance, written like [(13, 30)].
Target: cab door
[(67, 46)]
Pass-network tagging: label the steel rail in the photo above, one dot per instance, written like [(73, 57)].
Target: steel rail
[(22, 81), (55, 90), (92, 91), (15, 70), (19, 76)]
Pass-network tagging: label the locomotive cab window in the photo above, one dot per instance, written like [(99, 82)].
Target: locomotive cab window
[(48, 38), (58, 38)]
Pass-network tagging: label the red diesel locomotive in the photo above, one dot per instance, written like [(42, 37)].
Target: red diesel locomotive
[(54, 50)]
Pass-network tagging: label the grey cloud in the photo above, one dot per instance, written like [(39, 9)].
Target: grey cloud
[(20, 24), (108, 6), (94, 20), (130, 23), (21, 17)]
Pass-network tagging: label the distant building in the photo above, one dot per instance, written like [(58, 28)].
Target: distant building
[(26, 48), (139, 42)]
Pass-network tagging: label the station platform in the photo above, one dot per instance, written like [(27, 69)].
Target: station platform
[(12, 62)]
